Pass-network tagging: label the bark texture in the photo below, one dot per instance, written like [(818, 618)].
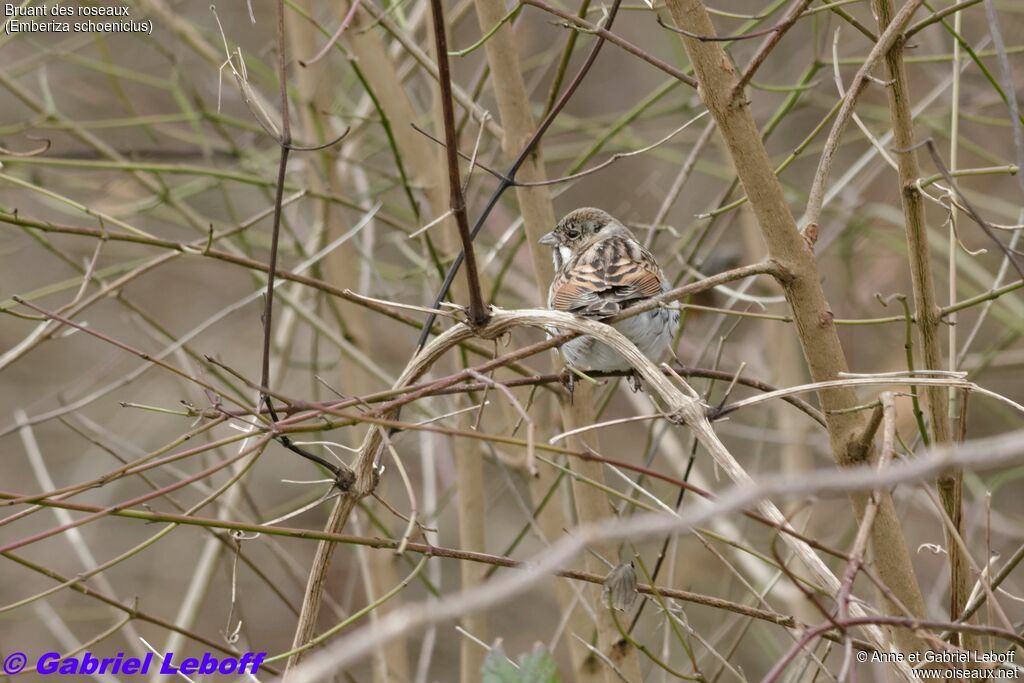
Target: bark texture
[(794, 255)]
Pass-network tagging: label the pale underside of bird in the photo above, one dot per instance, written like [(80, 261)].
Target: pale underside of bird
[(600, 271)]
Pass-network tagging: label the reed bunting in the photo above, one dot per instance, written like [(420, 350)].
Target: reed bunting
[(600, 270)]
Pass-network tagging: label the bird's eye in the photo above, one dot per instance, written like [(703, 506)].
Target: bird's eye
[(572, 234)]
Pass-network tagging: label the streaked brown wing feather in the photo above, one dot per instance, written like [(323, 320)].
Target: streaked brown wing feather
[(605, 278)]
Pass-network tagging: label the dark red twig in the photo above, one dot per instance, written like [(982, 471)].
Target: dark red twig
[(494, 560), (478, 314), (138, 500), (509, 176), (290, 407), (605, 34)]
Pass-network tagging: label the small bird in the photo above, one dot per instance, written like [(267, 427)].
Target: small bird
[(600, 270)]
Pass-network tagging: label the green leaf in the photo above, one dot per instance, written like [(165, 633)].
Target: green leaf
[(535, 667)]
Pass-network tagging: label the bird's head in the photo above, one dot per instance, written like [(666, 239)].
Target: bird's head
[(581, 228)]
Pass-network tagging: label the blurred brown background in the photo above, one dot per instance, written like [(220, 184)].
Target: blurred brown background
[(136, 133)]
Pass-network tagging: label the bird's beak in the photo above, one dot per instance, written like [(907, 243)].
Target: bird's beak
[(549, 239)]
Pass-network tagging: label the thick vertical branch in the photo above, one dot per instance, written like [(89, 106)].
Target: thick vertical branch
[(593, 508), (342, 268), (801, 285), (421, 158), (510, 175), (469, 466), (317, 581), (926, 310), (472, 504), (519, 125), (538, 214), (457, 203)]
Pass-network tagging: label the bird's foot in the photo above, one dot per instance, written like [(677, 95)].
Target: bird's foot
[(571, 374), (568, 380), (635, 383)]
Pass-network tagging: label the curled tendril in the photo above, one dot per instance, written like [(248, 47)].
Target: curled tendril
[(31, 153)]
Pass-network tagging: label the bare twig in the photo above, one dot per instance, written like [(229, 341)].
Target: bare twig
[(605, 34), (477, 311), (985, 453), (889, 37), (520, 159), (799, 278), (322, 52)]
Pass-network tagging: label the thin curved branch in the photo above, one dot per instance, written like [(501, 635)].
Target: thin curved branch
[(892, 33), (985, 454), (509, 176), (31, 153), (614, 40), (322, 52)]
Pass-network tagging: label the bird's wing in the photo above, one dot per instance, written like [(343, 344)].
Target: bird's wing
[(605, 278)]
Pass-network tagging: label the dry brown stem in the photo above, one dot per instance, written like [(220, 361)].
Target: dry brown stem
[(926, 309), (538, 214), (426, 172), (801, 284)]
